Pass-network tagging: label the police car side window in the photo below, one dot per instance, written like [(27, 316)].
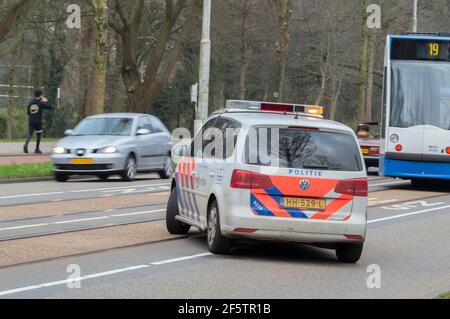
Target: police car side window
[(199, 141)]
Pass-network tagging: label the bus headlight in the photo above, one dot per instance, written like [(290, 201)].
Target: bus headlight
[(395, 138)]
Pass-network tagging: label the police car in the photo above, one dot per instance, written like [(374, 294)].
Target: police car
[(272, 172)]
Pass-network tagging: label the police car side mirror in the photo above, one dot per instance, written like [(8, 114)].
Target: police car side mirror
[(180, 150), (143, 131), (68, 132)]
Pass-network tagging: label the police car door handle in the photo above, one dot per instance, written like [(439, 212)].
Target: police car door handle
[(211, 174)]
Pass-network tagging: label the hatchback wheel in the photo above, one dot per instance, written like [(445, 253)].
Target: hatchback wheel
[(61, 177), (217, 243), (167, 172), (349, 254), (129, 174)]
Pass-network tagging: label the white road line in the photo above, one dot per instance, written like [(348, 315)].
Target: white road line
[(98, 275), (391, 184), (31, 195), (23, 227), (79, 220), (373, 203), (82, 220), (155, 186), (139, 213), (175, 260), (407, 215), (117, 188)]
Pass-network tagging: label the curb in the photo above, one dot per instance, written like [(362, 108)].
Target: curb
[(25, 180)]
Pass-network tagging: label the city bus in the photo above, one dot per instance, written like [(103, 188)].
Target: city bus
[(415, 139)]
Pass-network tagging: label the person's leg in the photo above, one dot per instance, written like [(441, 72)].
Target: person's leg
[(28, 138), (38, 138)]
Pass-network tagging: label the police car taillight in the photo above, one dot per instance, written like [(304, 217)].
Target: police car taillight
[(249, 180), (354, 187), (275, 107)]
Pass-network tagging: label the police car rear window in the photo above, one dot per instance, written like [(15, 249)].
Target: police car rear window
[(303, 149)]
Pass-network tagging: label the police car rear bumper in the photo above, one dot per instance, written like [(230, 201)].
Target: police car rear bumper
[(295, 230)]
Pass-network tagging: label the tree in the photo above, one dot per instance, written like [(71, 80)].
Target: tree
[(284, 10), (10, 17), (97, 89), (145, 81)]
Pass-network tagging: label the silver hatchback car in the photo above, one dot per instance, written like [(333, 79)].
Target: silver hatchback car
[(114, 144)]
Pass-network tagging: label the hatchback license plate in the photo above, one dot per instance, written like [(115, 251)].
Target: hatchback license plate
[(82, 161), (305, 203)]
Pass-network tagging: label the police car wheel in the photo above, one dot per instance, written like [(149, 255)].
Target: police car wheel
[(62, 178), (174, 226), (129, 173), (217, 243), (349, 254), (167, 172)]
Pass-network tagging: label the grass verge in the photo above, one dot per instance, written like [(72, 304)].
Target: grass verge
[(445, 296), (25, 170)]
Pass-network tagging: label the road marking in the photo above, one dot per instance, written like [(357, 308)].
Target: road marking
[(407, 215), (23, 227), (377, 203), (175, 260), (391, 184), (31, 195), (82, 220), (101, 274), (151, 186)]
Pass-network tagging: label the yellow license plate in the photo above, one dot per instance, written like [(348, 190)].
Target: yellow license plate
[(365, 151), (305, 203), (81, 161)]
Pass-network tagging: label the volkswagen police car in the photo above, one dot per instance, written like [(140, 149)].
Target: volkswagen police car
[(272, 172)]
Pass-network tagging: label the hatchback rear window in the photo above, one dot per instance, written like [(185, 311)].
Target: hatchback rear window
[(303, 149)]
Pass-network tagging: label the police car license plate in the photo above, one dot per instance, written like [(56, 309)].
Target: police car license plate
[(305, 203), (365, 150), (81, 161)]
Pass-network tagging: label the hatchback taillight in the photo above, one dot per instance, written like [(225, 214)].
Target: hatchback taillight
[(249, 180), (354, 187)]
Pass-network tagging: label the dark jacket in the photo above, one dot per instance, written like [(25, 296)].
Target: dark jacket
[(35, 110)]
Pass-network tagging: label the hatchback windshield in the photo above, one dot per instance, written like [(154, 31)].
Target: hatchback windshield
[(105, 126), (420, 94), (308, 149)]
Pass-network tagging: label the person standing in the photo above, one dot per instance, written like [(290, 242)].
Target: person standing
[(35, 111)]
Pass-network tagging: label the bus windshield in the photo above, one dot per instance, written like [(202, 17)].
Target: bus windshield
[(420, 94)]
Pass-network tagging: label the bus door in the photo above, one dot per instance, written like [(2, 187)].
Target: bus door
[(436, 144)]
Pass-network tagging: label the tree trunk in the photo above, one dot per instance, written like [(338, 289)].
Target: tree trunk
[(11, 92), (243, 53), (362, 84), (284, 10), (370, 67), (97, 90)]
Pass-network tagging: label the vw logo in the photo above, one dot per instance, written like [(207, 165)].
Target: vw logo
[(81, 152), (305, 185)]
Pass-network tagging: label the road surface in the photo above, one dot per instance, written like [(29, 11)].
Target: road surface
[(113, 233)]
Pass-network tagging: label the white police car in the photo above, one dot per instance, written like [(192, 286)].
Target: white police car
[(275, 172)]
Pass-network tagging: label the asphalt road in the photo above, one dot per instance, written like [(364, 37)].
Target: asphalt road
[(408, 240)]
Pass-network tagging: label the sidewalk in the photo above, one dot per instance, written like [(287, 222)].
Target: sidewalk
[(16, 149), (9, 160)]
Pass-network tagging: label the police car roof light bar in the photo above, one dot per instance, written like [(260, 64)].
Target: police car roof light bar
[(275, 107)]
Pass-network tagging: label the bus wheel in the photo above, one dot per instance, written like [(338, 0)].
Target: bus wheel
[(419, 183)]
